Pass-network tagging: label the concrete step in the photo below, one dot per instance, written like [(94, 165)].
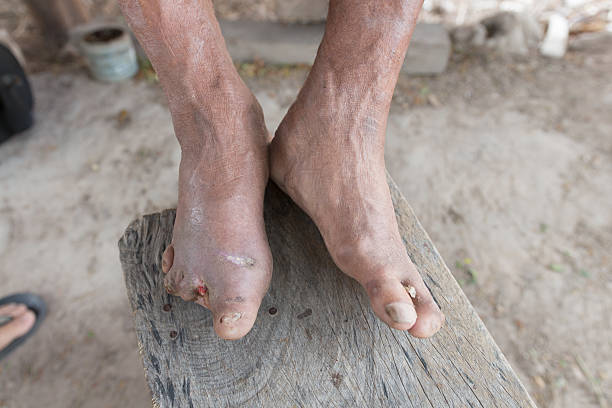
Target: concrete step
[(278, 43)]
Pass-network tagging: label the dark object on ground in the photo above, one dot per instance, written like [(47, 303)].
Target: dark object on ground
[(36, 304), (339, 354), (16, 100), (103, 35)]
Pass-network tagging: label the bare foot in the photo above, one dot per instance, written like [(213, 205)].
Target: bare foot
[(328, 155), (219, 256), (22, 322)]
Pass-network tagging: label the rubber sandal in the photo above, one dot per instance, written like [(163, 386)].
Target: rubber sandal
[(35, 304), (16, 99)]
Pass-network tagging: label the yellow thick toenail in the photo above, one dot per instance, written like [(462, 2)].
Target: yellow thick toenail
[(231, 318), (401, 312)]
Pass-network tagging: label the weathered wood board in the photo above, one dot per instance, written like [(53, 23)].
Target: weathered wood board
[(323, 347)]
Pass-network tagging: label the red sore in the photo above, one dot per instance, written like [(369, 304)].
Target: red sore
[(201, 290)]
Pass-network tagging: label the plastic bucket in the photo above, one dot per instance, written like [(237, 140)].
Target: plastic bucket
[(110, 53)]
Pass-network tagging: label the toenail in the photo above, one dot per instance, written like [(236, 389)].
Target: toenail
[(411, 290), (401, 312), (231, 318)]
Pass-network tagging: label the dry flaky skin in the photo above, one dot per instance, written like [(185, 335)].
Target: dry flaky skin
[(327, 155)]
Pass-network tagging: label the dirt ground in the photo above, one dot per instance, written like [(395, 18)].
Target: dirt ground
[(507, 163)]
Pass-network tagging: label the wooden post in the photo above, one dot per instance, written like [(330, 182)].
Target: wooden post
[(58, 17), (316, 342)]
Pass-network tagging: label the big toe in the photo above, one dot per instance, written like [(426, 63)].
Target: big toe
[(430, 319), (391, 303), (403, 302), (234, 316), (234, 300)]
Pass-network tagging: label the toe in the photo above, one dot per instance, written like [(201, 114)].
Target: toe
[(168, 259), (403, 301), (178, 282), (429, 317), (16, 328), (13, 309), (232, 322), (234, 315), (391, 302), (23, 323)]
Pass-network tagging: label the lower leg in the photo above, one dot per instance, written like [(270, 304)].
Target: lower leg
[(328, 155), (219, 256)]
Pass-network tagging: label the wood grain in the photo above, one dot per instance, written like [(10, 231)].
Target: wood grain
[(323, 347)]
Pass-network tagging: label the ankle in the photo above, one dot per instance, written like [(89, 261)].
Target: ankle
[(216, 92), (226, 120)]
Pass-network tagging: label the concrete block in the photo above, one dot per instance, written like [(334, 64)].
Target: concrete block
[(278, 43), (302, 11), (429, 50), (274, 43)]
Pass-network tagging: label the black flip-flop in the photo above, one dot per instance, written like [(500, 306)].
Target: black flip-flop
[(16, 99), (35, 304)]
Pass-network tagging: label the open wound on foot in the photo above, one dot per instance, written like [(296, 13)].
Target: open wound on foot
[(410, 289), (230, 318), (200, 292)]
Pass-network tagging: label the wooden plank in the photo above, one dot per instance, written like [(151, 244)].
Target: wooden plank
[(323, 347)]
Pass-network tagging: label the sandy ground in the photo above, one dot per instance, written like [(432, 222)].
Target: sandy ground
[(506, 163)]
